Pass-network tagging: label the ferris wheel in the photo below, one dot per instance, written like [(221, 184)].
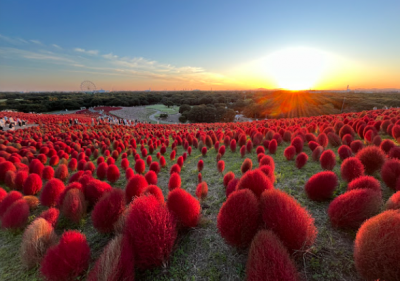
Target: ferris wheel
[(88, 86)]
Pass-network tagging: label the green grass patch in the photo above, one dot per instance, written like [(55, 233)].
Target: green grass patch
[(163, 108)]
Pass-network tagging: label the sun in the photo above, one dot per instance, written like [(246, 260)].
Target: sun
[(296, 68)]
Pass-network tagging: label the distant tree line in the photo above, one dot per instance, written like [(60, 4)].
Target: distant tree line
[(206, 106)]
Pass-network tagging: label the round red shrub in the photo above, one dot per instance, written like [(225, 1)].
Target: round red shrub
[(232, 145), (174, 181), (61, 172), (175, 169), (51, 192), (124, 163), (180, 161), (260, 150), (228, 177), (221, 166), (269, 260), (152, 231), (323, 140), (202, 190), (95, 189), (321, 186), (50, 215), (372, 158), (140, 166), (199, 177), (129, 173), (154, 191), (376, 247), (73, 205), (356, 146), (89, 166), (351, 169), (151, 177), (298, 143), (113, 173), (16, 215), (32, 185), (3, 194), (292, 223), (53, 160), (231, 187), (289, 152), (393, 202), (316, 154), (267, 160), (239, 218), (107, 211), (73, 164), (256, 181), (184, 207), (8, 200), (352, 208), (313, 145), (390, 172), (347, 139), (301, 160), (101, 171), (243, 151), (394, 152), (48, 173), (200, 165), (8, 166), (365, 182), (155, 167), (68, 259), (273, 145), (20, 178), (328, 160), (204, 151), (387, 145), (344, 152), (135, 187)]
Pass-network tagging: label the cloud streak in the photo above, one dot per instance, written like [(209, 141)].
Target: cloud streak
[(89, 52)]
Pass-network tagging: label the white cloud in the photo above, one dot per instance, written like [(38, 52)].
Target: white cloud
[(37, 42), (110, 56), (56, 46), (18, 53), (89, 52)]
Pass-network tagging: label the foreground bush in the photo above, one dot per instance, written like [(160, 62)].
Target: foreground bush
[(68, 259), (269, 260), (74, 205), (51, 192), (152, 232), (256, 181), (239, 218), (116, 262), (108, 210), (184, 207), (372, 158), (37, 238), (16, 215), (376, 253), (351, 169), (352, 208), (292, 223), (321, 186)]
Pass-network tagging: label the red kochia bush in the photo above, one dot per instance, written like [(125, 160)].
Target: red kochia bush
[(292, 223), (116, 261), (20, 178), (394, 152), (298, 143), (16, 215), (228, 177), (273, 145), (113, 173), (140, 166), (129, 173), (95, 189), (269, 260), (74, 205), (124, 163), (344, 152), (221, 166), (8, 166), (390, 172), (32, 185), (73, 164), (152, 231), (175, 169), (372, 158), (267, 160), (301, 160), (202, 190), (376, 253), (101, 171), (328, 160), (231, 187), (62, 172), (156, 192), (174, 181), (155, 167), (351, 169), (51, 192), (135, 187), (393, 202), (3, 194), (256, 181), (352, 208), (184, 207), (356, 146), (239, 218), (365, 182), (48, 173), (108, 210), (289, 152), (204, 151), (200, 165), (151, 177), (321, 186), (68, 259), (246, 165), (51, 215), (387, 145)]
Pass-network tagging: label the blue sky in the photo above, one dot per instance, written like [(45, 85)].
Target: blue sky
[(124, 45)]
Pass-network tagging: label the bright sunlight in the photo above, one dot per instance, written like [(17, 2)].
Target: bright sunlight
[(296, 68)]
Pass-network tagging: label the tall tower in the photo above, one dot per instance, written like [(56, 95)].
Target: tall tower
[(348, 88)]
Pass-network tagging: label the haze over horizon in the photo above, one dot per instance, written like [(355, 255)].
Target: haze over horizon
[(223, 45)]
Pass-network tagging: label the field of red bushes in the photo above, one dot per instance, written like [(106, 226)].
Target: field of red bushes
[(120, 203)]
